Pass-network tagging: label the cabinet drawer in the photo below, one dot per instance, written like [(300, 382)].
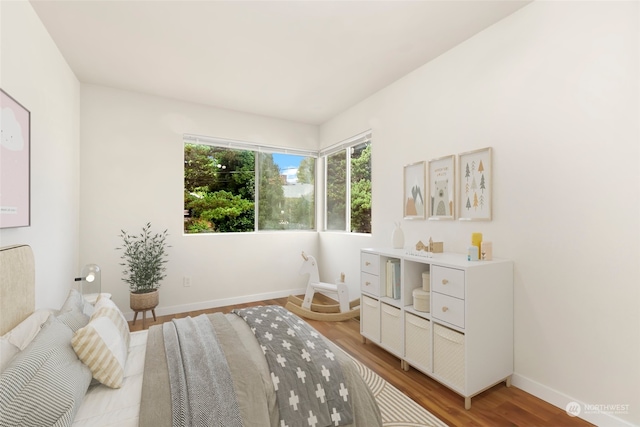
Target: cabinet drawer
[(448, 309), (370, 283), (370, 263), (391, 327), (370, 318), (448, 355), (448, 281), (417, 341)]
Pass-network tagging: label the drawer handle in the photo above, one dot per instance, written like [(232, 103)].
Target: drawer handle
[(445, 309), (367, 283), (367, 263), (445, 281)]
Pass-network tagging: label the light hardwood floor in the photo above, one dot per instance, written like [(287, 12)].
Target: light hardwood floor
[(498, 406)]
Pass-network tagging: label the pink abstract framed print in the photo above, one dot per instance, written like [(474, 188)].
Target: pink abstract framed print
[(15, 139)]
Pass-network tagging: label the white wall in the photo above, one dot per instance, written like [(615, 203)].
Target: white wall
[(132, 173), (554, 90), (33, 71)]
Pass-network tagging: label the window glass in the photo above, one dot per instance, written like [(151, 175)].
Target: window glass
[(361, 188), (336, 193), (220, 190)]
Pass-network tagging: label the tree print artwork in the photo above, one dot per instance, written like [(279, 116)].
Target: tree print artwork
[(475, 197)]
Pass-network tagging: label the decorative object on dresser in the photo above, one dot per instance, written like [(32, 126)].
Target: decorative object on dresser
[(421, 300), (427, 250), (486, 251), (465, 340), (397, 237), (442, 188), (476, 240), (144, 257)]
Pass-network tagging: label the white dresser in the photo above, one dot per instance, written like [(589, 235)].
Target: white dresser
[(465, 341)]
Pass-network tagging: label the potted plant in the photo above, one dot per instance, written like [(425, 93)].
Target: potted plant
[(144, 257)]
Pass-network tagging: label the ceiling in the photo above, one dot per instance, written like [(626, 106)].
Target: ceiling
[(304, 61)]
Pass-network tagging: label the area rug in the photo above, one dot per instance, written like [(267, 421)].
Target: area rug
[(396, 408)]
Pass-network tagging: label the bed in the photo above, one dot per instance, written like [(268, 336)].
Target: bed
[(79, 365)]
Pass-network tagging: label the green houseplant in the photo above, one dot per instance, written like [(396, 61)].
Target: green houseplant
[(144, 258)]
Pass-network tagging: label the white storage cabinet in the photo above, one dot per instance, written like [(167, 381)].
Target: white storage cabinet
[(465, 341)]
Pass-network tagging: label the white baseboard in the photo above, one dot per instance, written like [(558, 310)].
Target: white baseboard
[(203, 305), (588, 412)]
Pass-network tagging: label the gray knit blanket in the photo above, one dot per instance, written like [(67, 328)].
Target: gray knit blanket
[(202, 392), (310, 386)]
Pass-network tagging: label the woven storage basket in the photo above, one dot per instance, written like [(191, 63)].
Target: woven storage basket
[(448, 355), (418, 341), (391, 327), (146, 301), (370, 317)]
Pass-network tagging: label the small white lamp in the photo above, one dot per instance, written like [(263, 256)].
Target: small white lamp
[(90, 282)]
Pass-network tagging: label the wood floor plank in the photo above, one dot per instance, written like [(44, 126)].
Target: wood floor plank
[(497, 406)]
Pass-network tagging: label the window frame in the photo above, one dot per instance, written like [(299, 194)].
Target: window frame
[(257, 149), (346, 145)]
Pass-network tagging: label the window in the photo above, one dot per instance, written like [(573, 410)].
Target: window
[(237, 187), (348, 185)]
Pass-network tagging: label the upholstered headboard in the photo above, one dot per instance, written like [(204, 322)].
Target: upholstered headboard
[(17, 285)]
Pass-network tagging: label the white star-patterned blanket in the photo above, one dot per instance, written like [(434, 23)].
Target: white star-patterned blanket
[(310, 386)]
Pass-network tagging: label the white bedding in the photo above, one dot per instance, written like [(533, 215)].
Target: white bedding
[(103, 406)]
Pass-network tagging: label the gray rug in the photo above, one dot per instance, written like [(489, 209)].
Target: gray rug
[(396, 408)]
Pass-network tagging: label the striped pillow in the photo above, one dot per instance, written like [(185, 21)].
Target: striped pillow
[(45, 383), (103, 344)]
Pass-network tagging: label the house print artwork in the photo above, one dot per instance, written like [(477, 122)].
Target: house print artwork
[(475, 185)]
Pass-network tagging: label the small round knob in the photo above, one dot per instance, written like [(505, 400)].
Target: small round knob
[(445, 281), (445, 309), (367, 263), (367, 283)]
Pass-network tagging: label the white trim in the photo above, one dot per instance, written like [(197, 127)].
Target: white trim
[(354, 140), (560, 400), (244, 145), (203, 305)]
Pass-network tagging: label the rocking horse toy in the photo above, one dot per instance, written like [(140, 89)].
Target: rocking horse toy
[(344, 310)]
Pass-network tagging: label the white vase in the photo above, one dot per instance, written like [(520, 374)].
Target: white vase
[(397, 237)]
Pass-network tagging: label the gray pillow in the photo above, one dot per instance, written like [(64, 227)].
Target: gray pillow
[(72, 311), (46, 382)]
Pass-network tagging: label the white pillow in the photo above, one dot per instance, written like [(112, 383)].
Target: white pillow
[(7, 353), (103, 344), (17, 339), (23, 334)]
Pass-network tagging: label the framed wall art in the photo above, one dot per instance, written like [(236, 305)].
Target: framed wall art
[(414, 194), (442, 188), (475, 171), (15, 141)]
